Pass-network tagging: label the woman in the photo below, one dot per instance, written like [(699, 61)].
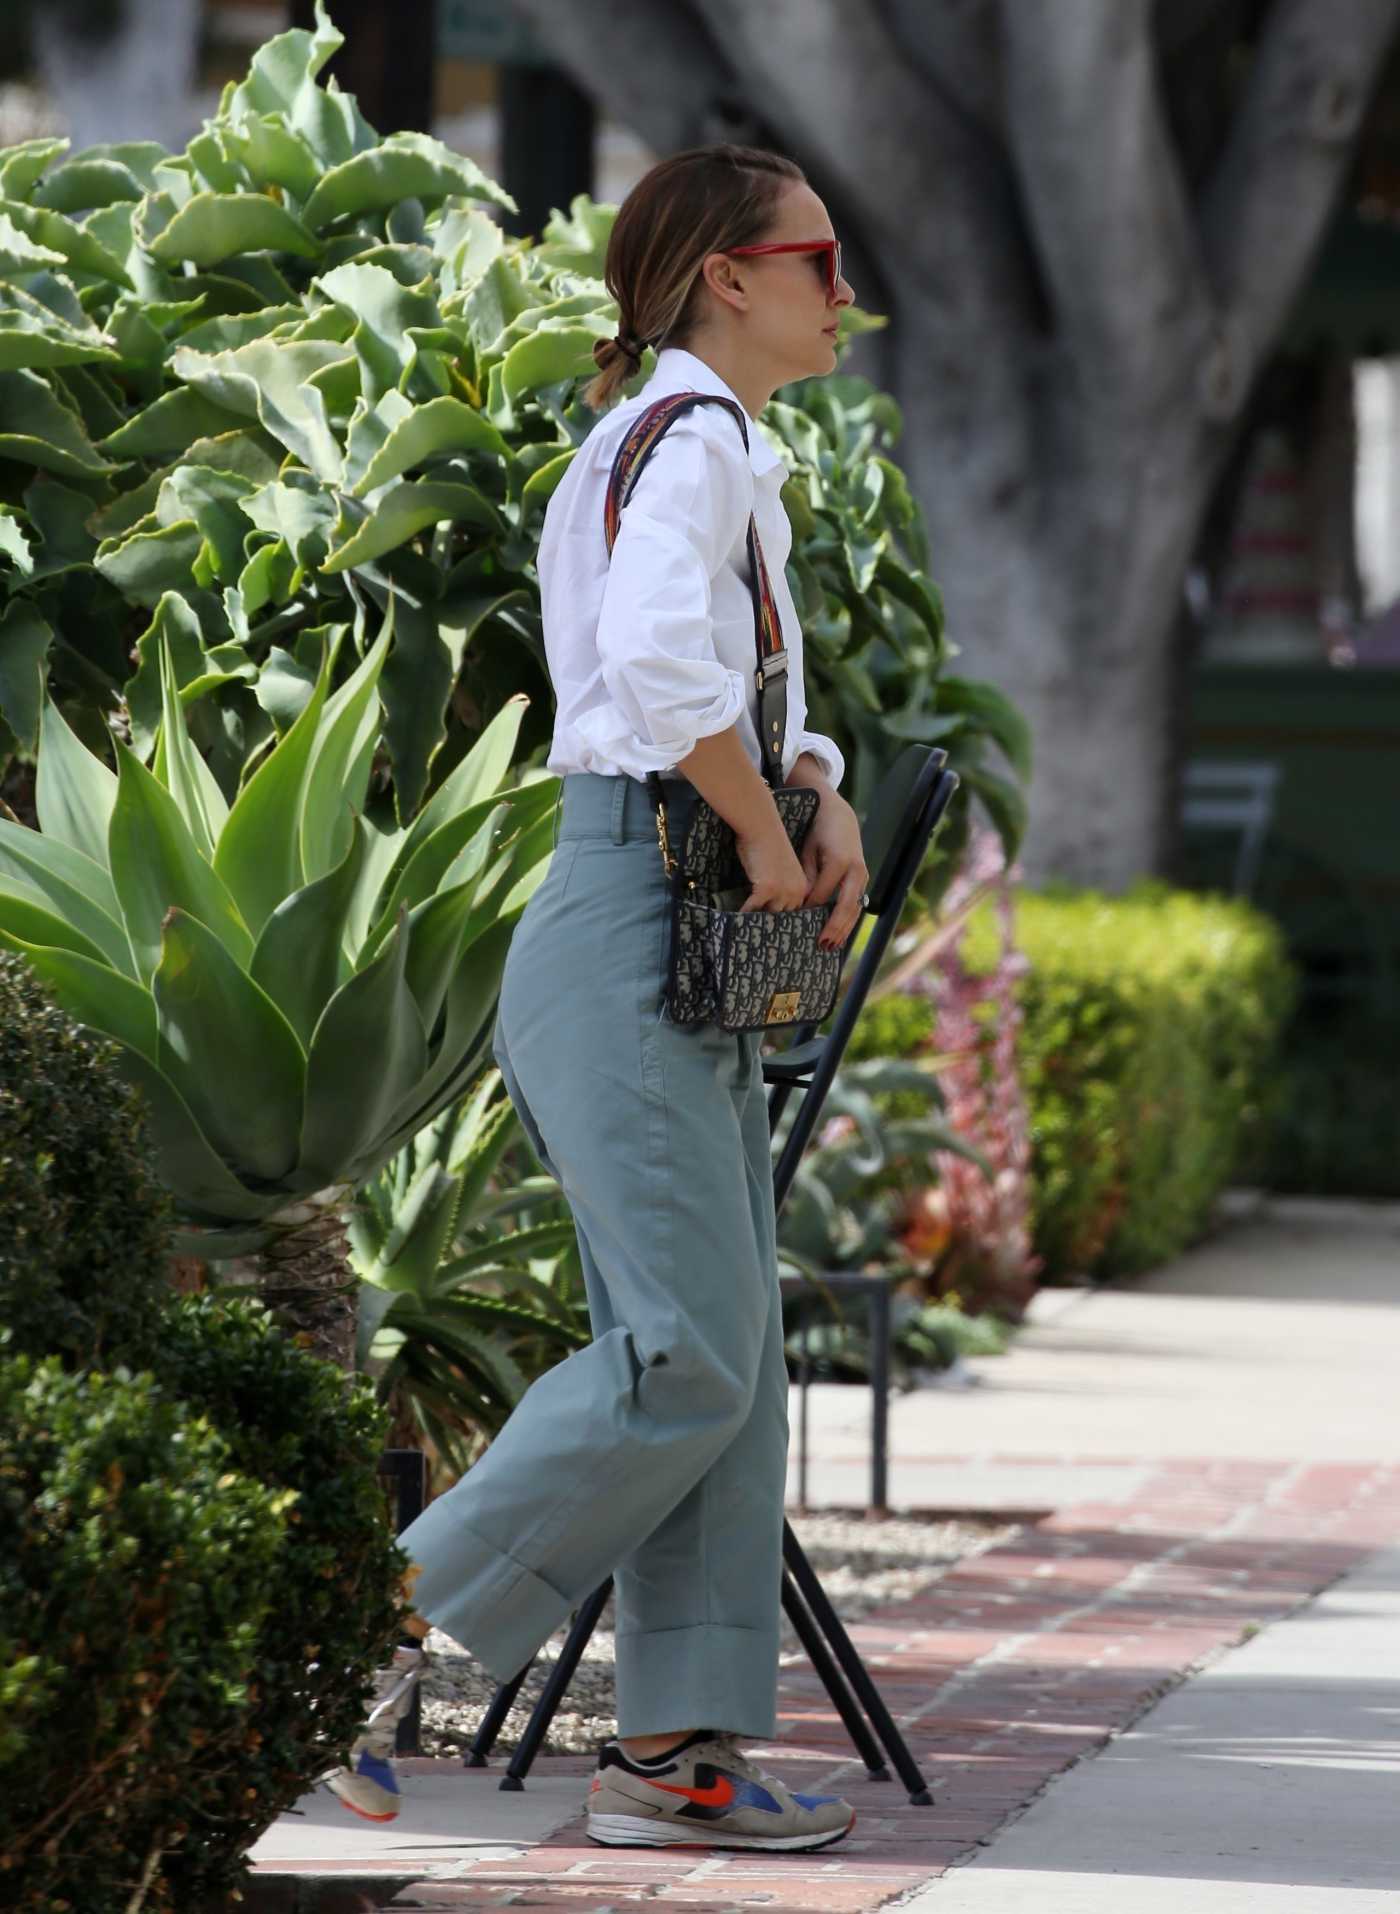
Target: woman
[(658, 1454)]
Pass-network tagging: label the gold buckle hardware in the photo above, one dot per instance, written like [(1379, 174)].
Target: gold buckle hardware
[(782, 1006), (775, 665)]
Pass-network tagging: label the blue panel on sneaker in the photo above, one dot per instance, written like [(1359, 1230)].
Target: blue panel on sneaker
[(377, 1770)]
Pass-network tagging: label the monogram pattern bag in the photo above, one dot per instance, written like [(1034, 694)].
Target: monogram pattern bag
[(741, 970)]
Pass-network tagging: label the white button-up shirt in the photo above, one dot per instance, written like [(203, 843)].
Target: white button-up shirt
[(655, 650)]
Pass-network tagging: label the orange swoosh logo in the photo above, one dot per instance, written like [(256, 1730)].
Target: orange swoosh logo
[(719, 1795)]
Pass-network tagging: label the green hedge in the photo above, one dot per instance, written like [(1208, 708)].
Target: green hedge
[(197, 1577), (1151, 1024)]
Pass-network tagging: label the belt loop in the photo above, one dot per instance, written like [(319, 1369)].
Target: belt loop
[(619, 810), (558, 813)]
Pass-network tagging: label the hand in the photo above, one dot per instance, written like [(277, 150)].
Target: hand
[(834, 865), (771, 865)]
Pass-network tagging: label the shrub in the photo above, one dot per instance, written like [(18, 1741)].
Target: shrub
[(84, 1226), (1151, 1021), (196, 1575), (136, 1572)]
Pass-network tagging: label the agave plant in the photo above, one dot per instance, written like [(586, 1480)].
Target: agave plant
[(295, 990), (459, 1313)]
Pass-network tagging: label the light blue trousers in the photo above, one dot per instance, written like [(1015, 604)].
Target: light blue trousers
[(657, 1454)]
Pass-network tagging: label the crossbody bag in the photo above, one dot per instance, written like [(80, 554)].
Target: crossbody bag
[(741, 970)]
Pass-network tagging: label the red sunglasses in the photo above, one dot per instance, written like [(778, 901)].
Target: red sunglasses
[(830, 247)]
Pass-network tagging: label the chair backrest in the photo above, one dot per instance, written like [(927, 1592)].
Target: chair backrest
[(901, 795)]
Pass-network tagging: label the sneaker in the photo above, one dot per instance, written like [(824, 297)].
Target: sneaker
[(369, 1786), (706, 1794)]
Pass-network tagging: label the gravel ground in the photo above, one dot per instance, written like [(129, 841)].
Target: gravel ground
[(863, 1565)]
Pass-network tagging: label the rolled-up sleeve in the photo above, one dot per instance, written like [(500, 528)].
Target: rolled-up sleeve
[(655, 641), (826, 753)]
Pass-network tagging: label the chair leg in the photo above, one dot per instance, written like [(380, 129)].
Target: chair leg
[(833, 1681), (553, 1691), (494, 1719), (853, 1668)]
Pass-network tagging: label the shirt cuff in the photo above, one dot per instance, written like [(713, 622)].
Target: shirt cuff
[(826, 754)]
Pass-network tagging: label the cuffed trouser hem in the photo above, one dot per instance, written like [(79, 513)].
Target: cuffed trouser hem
[(708, 1676), (499, 1610)]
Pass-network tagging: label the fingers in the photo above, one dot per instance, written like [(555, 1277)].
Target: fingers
[(849, 903)]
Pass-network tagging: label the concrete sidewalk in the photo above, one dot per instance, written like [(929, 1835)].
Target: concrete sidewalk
[(1267, 1785), (1196, 1455)]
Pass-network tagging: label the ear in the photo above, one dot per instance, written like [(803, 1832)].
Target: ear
[(725, 280)]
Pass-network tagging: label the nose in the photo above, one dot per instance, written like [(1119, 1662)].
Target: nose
[(844, 294)]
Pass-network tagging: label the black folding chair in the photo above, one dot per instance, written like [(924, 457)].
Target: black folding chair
[(907, 808)]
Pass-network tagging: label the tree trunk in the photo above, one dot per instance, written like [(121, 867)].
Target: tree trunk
[(126, 75), (305, 1278)]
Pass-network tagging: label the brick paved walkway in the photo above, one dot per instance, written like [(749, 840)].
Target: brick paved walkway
[(1004, 1673)]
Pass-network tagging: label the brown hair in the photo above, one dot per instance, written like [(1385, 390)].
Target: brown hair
[(695, 203)]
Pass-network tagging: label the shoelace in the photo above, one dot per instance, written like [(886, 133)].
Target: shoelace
[(749, 1769)]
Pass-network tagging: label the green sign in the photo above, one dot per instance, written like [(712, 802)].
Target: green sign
[(489, 32)]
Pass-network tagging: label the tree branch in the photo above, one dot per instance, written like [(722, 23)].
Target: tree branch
[(1085, 123), (911, 171), (1266, 211), (654, 68)]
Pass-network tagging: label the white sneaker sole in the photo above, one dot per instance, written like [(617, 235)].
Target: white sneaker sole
[(636, 1831)]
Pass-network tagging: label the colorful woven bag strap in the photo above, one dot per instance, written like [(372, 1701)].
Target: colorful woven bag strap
[(770, 674)]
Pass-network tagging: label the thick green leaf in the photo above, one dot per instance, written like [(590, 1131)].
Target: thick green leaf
[(151, 559), (274, 155), (435, 931), (1005, 804), (37, 428), (13, 543), (76, 248), (418, 680), (22, 165), (25, 920), (480, 774), (404, 166), (174, 631), (78, 889), (156, 867), (87, 987), (218, 226), (539, 488), (274, 383), (547, 357), (385, 314), (259, 854), (432, 430), (90, 179), (475, 830), (25, 638), (228, 1050), (167, 426), (183, 771), (74, 792), (300, 958), (31, 334), (471, 1012), (405, 508), (338, 771), (995, 713), (368, 1055)]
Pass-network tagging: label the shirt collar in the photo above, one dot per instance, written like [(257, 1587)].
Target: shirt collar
[(680, 371)]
